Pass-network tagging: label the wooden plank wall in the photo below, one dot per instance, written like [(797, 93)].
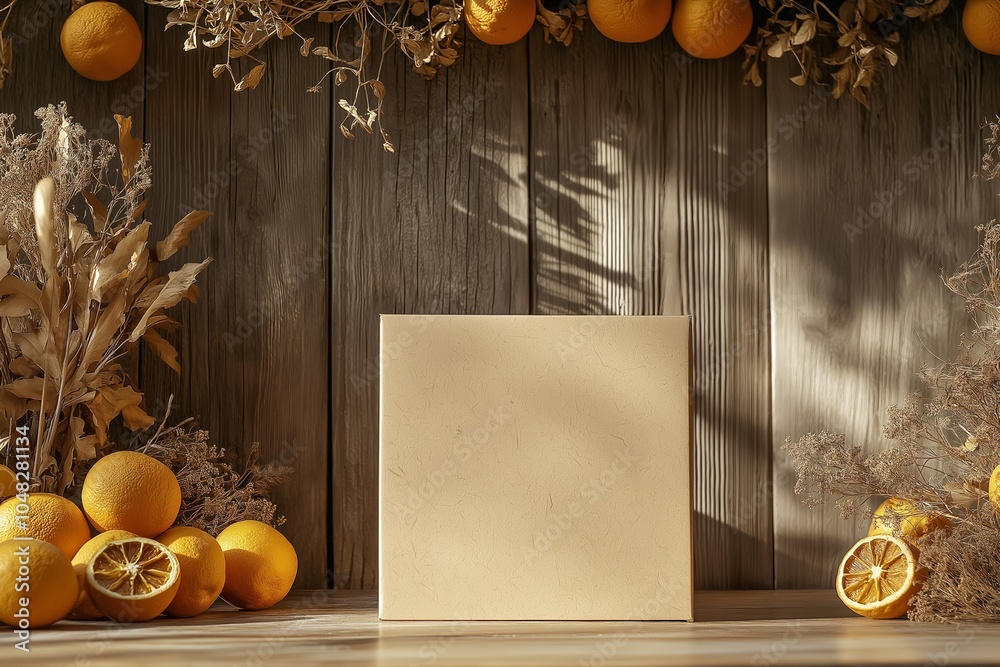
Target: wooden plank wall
[(598, 179)]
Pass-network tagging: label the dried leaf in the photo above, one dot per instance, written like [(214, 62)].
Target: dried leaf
[(180, 235), (177, 284), (163, 349), (252, 79), (129, 147)]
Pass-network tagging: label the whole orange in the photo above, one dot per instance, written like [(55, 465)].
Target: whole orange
[(261, 565), (500, 21), (630, 21), (101, 41), (981, 23), (46, 516), (712, 28), (131, 491)]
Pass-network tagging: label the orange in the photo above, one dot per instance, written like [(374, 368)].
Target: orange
[(8, 482), (49, 517), (101, 41), (203, 570), (84, 610), (500, 21), (260, 565), (878, 577), (995, 489), (133, 580), (629, 20), (131, 491), (899, 517), (712, 28), (53, 586), (981, 23)]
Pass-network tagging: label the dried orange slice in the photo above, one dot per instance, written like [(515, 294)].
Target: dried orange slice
[(878, 577), (134, 579)]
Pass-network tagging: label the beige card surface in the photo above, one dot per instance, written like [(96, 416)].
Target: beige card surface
[(535, 467)]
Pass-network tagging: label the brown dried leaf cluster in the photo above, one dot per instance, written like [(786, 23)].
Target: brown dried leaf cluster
[(847, 47), (213, 493), (80, 285), (562, 23), (945, 445), (365, 31)]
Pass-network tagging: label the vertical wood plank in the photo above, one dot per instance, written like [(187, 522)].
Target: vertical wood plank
[(254, 350), (723, 261), (867, 209), (631, 148), (439, 227)]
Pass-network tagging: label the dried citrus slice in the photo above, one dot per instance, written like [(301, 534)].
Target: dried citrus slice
[(134, 579), (8, 482), (878, 577)]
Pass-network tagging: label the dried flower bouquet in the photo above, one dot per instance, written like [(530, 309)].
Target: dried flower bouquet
[(946, 449), (80, 285)]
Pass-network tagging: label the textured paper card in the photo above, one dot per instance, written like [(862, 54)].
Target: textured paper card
[(535, 467)]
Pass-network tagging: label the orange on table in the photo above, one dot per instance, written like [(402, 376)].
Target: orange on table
[(101, 41), (897, 516), (203, 570), (131, 491), (260, 565), (981, 23), (712, 28), (878, 577), (49, 517), (500, 22), (54, 587), (8, 482), (133, 580), (84, 610), (630, 21)]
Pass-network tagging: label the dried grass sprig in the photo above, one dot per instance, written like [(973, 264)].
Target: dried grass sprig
[(213, 493), (80, 285), (946, 444)]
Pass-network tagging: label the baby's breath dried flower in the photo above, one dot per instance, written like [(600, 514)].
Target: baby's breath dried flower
[(213, 493)]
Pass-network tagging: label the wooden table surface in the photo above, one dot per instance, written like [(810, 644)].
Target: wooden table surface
[(324, 627)]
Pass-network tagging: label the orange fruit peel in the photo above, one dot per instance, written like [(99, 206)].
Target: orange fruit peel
[(630, 21), (101, 41), (500, 22)]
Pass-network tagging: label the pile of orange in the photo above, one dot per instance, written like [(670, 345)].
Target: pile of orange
[(138, 565), (881, 574), (703, 28)]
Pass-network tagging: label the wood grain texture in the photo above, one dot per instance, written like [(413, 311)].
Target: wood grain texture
[(254, 350), (867, 209), (731, 628), (633, 214), (439, 227)]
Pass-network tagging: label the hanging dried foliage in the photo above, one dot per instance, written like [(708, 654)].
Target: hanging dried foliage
[(847, 48), (80, 285)]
